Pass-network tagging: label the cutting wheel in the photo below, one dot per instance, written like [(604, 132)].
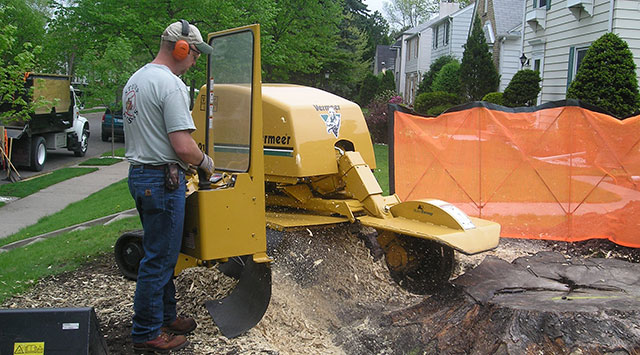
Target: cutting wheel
[(418, 265)]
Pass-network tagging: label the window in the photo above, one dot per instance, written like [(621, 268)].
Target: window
[(537, 64), (542, 3), (415, 49), (576, 55), (447, 26), (435, 37), (408, 53)]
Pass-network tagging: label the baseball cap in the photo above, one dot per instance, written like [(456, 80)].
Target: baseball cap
[(173, 33)]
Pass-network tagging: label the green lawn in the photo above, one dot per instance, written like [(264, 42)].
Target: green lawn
[(27, 187), (381, 171), (114, 198), (23, 267)]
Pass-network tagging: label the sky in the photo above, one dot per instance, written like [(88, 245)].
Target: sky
[(374, 5)]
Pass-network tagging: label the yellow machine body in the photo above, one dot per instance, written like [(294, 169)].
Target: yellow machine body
[(318, 157), (301, 128)]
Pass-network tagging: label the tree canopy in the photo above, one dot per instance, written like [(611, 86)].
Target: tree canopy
[(478, 74), (328, 44)]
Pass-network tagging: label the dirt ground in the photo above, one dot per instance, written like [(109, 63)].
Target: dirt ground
[(329, 296)]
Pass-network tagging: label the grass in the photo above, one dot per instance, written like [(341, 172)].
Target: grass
[(118, 153), (381, 171), (100, 161), (27, 187), (23, 267), (112, 199)]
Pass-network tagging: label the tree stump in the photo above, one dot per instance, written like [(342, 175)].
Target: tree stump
[(544, 304)]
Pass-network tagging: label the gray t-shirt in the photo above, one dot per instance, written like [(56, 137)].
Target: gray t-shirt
[(155, 103)]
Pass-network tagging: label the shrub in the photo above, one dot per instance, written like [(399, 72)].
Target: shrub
[(494, 98), (434, 68), (368, 89), (607, 77), (387, 82), (377, 115), (429, 102), (437, 110), (523, 89), (478, 74), (448, 79)]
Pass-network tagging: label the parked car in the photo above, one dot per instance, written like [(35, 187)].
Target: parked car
[(118, 128)]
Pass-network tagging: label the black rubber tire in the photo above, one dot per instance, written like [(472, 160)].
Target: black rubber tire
[(429, 265), (128, 252), (84, 143), (38, 153)]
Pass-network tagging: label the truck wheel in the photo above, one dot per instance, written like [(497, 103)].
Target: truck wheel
[(84, 143), (38, 153)]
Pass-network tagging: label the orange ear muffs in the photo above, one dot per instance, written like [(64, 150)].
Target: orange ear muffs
[(181, 50)]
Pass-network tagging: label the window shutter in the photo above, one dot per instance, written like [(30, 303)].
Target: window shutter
[(570, 73), (548, 4), (535, 3)]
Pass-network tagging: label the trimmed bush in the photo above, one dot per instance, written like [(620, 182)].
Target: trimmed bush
[(434, 68), (494, 98), (523, 89), (448, 79), (430, 102), (436, 111), (607, 77)]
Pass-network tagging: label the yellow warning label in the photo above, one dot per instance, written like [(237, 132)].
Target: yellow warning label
[(28, 348)]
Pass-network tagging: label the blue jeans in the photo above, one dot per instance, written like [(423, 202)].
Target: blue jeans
[(162, 215)]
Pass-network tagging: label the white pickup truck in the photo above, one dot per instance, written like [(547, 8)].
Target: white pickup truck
[(55, 125)]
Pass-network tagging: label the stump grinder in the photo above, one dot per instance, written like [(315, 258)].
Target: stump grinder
[(289, 157)]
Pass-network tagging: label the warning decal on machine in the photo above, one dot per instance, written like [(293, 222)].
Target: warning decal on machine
[(28, 348)]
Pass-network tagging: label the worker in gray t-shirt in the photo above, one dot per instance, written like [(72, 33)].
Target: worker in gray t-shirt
[(159, 147)]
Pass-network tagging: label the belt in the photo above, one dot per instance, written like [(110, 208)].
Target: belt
[(152, 167)]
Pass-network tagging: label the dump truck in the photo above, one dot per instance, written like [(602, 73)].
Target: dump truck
[(55, 123), (290, 157)]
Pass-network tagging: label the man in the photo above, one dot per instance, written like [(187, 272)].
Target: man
[(159, 147)]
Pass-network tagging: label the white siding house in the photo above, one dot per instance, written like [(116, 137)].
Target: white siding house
[(557, 34), (418, 47), (414, 54), (510, 52), (450, 33)]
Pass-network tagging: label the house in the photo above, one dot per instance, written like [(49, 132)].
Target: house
[(558, 33), (417, 49), (502, 22), (450, 33), (413, 55), (385, 59)]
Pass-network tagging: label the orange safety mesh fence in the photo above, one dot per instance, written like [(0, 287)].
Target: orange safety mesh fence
[(559, 173)]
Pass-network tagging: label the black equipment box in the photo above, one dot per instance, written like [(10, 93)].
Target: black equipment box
[(50, 331)]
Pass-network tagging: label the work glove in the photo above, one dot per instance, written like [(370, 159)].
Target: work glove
[(205, 167)]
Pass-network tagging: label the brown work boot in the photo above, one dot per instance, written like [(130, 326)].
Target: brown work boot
[(180, 326), (162, 344)]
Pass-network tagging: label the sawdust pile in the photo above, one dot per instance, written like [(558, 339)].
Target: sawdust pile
[(324, 282)]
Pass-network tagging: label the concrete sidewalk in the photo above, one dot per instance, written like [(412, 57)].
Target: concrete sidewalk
[(28, 210)]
